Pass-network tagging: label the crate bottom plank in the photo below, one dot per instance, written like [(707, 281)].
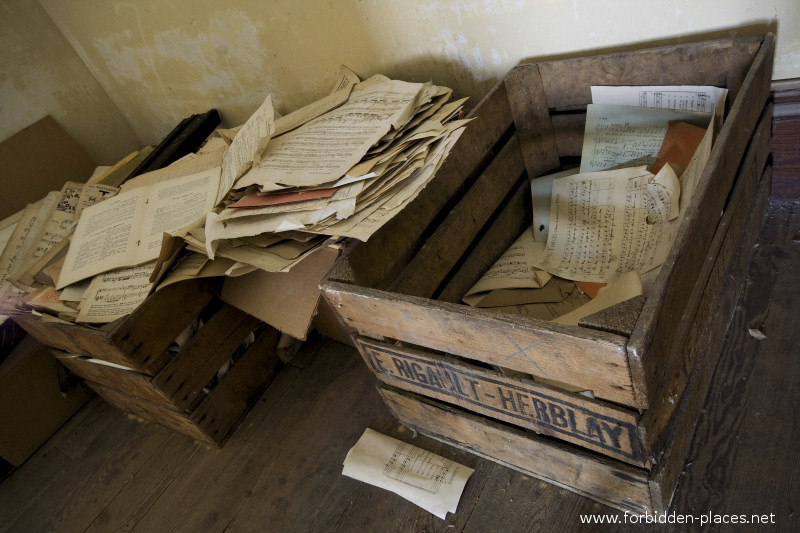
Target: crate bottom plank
[(608, 481), (214, 419)]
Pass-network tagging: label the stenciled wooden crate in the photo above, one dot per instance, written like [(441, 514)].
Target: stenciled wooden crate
[(130, 363), (458, 373)]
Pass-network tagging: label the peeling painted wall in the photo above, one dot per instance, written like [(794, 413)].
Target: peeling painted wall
[(40, 74), (160, 61)]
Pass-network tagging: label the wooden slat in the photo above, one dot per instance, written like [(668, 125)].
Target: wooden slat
[(679, 435), (227, 403), (128, 381), (148, 332), (663, 311), (137, 340), (710, 282), (590, 359), (150, 411), (376, 262), (532, 119), (510, 223), (75, 339), (619, 319), (440, 253), (194, 366), (611, 482), (567, 82), (602, 427), (569, 130)]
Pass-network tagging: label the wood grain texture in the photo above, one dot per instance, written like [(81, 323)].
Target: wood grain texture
[(526, 345), (619, 319), (528, 104), (443, 250), (567, 82), (514, 218), (128, 381), (137, 340), (203, 355), (712, 283), (599, 426), (748, 417), (663, 311), (377, 262), (675, 439), (611, 482)]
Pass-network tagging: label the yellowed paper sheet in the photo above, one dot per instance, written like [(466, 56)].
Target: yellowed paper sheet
[(324, 149), (364, 223), (116, 293), (127, 230), (628, 136), (515, 269), (341, 91), (703, 98), (428, 480), (12, 237), (247, 146), (604, 224), (185, 166), (23, 241)]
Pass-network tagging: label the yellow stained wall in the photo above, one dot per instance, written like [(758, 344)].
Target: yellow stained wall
[(40, 74), (160, 61)]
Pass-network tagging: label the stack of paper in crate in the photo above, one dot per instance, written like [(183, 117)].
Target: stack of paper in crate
[(601, 231), (261, 197)]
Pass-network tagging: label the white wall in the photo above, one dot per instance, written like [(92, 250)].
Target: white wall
[(160, 61)]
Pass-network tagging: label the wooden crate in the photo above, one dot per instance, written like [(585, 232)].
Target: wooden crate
[(130, 364), (452, 371), (138, 340)]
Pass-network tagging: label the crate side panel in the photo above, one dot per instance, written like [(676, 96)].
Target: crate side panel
[(74, 338), (567, 82), (610, 482), (532, 119), (657, 326), (514, 218), (238, 390), (711, 284), (203, 355), (590, 359), (128, 381), (604, 428), (149, 411), (679, 435), (147, 332)]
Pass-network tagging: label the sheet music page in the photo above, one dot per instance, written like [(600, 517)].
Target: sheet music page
[(604, 224), (116, 293), (246, 148), (628, 136), (324, 149), (421, 477)]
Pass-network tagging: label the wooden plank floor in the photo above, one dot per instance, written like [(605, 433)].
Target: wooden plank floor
[(281, 470)]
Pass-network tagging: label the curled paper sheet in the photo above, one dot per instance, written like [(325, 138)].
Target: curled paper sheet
[(433, 482), (514, 270)]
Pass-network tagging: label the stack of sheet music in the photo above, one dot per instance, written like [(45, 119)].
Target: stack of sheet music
[(343, 173), (263, 196)]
